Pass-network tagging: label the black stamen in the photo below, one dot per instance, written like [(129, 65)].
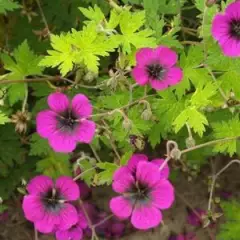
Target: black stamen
[(139, 193), (52, 200), (235, 29), (155, 71), (67, 122)]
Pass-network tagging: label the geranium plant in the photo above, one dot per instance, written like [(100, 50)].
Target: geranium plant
[(128, 94)]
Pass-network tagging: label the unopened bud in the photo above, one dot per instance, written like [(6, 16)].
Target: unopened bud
[(90, 76), (176, 154), (146, 114), (210, 3), (127, 124), (190, 142)]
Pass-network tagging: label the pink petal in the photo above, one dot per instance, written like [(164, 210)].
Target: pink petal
[(134, 160), (121, 207), (166, 56), (40, 185), (33, 208), (82, 221), (140, 75), (58, 102), (48, 223), (147, 173), (158, 84), (145, 217), (164, 173), (68, 188), (123, 180), (233, 10), (231, 48), (86, 131), (173, 76), (68, 216), (220, 27), (162, 195), (46, 123), (81, 106), (144, 56), (74, 233), (62, 142)]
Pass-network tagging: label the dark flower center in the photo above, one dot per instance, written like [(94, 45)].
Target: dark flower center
[(235, 28), (139, 193), (155, 71), (52, 200), (67, 122)]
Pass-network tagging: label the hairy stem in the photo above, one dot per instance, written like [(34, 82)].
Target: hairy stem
[(25, 99), (208, 144), (94, 235), (95, 153), (81, 174), (214, 179), (103, 221), (35, 233), (43, 16)]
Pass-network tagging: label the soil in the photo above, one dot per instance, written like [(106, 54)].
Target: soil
[(188, 195)]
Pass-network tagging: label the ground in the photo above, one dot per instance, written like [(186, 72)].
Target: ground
[(188, 195)]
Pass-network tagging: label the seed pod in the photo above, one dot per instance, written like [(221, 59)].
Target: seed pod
[(146, 114), (20, 119)]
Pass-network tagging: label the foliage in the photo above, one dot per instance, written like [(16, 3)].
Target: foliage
[(89, 47), (8, 5), (230, 229)]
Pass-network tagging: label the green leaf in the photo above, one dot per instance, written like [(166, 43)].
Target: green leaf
[(192, 74), (55, 165), (88, 171), (95, 14), (3, 208), (202, 95), (105, 176), (155, 134), (227, 129), (3, 118), (126, 156), (230, 82), (130, 24), (230, 228), (79, 47), (23, 63), (167, 109), (62, 55), (39, 146), (9, 141), (194, 118), (8, 5)]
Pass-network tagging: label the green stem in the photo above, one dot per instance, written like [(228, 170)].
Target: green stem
[(208, 144)]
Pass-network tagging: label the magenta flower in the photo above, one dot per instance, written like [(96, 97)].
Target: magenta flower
[(194, 219), (65, 123), (226, 30), (47, 204), (76, 231), (144, 190), (157, 67)]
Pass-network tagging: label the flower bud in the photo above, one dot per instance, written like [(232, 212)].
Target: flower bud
[(127, 124), (175, 154), (190, 142), (90, 76), (210, 3), (146, 114)]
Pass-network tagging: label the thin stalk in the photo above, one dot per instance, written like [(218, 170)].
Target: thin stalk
[(208, 144)]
